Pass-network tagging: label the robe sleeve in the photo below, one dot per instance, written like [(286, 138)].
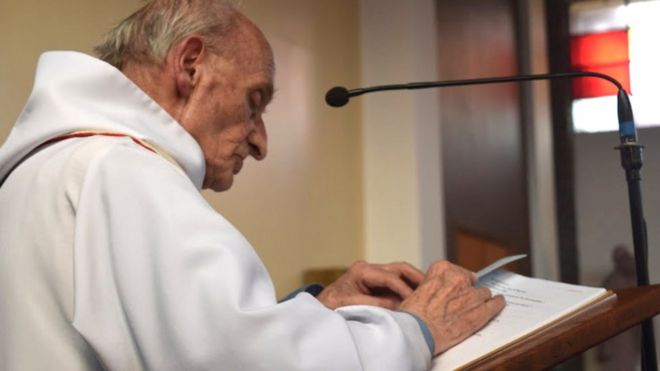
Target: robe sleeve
[(164, 282)]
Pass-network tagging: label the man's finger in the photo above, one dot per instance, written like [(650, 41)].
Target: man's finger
[(443, 267), (384, 279), (457, 277), (472, 277), (406, 271), (478, 316)]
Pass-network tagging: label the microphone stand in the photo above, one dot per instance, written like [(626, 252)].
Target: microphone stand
[(631, 161)]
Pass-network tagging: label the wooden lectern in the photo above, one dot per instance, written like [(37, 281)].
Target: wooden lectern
[(578, 332)]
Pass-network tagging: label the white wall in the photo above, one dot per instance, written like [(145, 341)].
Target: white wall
[(540, 162), (603, 216)]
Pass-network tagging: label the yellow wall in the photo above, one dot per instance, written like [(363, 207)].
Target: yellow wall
[(301, 207), (30, 27)]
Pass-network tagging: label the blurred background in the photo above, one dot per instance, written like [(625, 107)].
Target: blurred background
[(469, 174)]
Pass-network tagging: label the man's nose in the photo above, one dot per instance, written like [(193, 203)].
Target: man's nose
[(258, 141)]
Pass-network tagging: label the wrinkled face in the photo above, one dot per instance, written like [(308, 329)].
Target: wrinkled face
[(226, 116)]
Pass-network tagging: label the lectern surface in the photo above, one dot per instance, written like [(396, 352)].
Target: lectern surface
[(577, 333)]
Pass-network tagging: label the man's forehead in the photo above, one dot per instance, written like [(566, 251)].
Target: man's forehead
[(266, 61), (248, 50), (260, 53), (252, 49)]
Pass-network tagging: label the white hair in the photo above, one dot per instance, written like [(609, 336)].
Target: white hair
[(149, 33)]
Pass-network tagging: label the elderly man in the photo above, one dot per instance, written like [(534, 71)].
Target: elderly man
[(111, 259)]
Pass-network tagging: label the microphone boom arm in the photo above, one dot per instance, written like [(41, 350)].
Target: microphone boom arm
[(481, 81)]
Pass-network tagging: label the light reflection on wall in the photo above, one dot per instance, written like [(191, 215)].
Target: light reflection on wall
[(288, 118)]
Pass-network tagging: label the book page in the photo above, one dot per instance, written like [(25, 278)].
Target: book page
[(530, 304)]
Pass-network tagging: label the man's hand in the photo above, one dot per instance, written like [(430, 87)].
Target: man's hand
[(383, 285), (450, 305)]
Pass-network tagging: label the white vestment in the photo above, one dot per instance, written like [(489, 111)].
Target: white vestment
[(111, 259)]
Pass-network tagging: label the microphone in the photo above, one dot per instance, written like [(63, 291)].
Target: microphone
[(631, 161), (337, 96)]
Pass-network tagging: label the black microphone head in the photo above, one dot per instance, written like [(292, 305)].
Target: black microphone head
[(337, 96)]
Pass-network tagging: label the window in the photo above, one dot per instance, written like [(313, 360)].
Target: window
[(598, 35)]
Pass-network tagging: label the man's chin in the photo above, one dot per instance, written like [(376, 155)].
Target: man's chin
[(219, 185)]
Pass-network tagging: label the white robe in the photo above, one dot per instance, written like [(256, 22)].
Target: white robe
[(110, 258)]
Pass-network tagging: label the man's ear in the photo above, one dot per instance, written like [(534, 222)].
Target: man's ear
[(186, 57)]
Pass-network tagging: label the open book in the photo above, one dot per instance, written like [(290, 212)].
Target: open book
[(532, 304)]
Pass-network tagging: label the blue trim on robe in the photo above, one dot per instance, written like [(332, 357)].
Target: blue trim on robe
[(312, 289)]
